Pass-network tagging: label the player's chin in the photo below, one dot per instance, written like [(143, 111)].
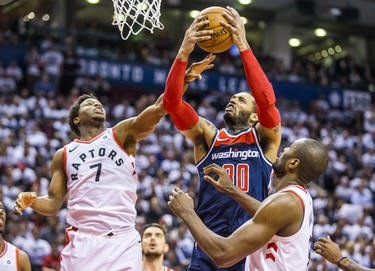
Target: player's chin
[(99, 118)]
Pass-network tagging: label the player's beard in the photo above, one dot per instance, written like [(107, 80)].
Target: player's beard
[(153, 255), (279, 169), (240, 120)]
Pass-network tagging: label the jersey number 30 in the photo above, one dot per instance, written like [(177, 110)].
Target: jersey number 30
[(239, 174)]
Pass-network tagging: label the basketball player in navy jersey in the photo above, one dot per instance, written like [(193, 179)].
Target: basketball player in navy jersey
[(278, 237), (96, 174), (11, 258), (154, 246), (247, 146)]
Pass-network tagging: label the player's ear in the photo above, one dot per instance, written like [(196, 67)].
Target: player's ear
[(76, 120), (166, 248), (293, 163), (253, 117)]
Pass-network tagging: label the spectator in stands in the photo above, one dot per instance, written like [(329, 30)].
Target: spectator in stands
[(36, 248), (51, 262)]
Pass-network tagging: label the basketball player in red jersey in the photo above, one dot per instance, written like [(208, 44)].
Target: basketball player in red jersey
[(11, 258), (247, 146), (278, 237), (96, 174), (154, 246)]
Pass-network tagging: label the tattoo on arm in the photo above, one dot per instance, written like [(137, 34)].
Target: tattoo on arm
[(210, 125), (276, 129)]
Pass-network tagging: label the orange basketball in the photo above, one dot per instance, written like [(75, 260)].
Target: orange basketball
[(221, 39)]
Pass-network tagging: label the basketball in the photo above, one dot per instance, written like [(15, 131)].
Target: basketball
[(221, 39)]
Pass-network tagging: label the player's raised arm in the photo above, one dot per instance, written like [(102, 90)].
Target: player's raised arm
[(269, 127), (137, 128), (198, 130)]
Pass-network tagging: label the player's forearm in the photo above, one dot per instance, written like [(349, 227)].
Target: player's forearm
[(256, 77), (211, 243), (350, 265), (46, 206), (174, 86), (182, 114), (247, 202), (262, 90)]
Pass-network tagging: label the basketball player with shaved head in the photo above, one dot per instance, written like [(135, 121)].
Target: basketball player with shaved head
[(247, 146), (154, 246), (96, 174), (278, 237), (11, 257)]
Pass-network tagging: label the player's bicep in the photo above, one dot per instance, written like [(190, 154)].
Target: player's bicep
[(270, 139), (57, 190), (145, 123), (141, 126), (258, 231), (201, 133)]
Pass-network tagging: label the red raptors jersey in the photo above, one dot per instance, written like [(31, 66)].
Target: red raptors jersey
[(102, 184), (9, 258), (287, 253)]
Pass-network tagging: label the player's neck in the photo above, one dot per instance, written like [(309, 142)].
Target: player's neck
[(2, 245), (237, 129), (88, 133), (286, 184), (154, 265)]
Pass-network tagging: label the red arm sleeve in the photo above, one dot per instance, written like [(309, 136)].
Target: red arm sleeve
[(182, 114), (262, 91)]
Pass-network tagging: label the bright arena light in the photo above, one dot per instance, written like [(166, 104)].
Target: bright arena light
[(45, 17), (320, 32), (245, 2), (262, 24), (194, 13), (93, 1), (244, 20), (294, 42), (31, 15), (331, 51)]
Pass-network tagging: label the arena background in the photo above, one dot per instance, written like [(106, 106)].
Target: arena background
[(324, 86)]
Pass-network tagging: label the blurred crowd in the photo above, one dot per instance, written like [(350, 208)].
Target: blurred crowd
[(35, 101)]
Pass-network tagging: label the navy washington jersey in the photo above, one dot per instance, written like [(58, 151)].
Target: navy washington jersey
[(249, 169)]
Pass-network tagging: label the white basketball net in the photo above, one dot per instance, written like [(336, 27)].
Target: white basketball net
[(131, 16)]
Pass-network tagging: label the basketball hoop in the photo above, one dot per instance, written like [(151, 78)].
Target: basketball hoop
[(131, 16)]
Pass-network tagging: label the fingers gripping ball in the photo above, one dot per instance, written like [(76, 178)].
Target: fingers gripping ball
[(221, 39)]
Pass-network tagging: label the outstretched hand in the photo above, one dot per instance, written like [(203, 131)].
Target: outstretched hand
[(195, 70), (223, 183), (236, 27), (24, 200), (180, 202), (328, 249), (194, 34)]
